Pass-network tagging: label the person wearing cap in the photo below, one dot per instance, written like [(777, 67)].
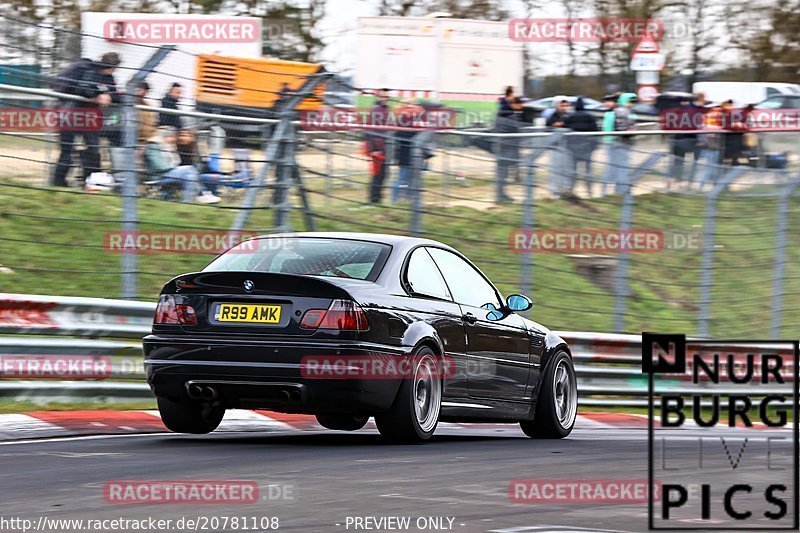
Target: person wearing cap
[(96, 84)]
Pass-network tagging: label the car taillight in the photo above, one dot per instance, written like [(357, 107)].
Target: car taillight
[(167, 312), (342, 315), (186, 315)]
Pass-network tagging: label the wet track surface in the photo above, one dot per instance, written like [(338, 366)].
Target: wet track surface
[(464, 474)]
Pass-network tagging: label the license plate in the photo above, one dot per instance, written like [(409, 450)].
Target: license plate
[(248, 313)]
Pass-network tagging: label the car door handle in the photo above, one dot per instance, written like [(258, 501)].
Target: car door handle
[(469, 317)]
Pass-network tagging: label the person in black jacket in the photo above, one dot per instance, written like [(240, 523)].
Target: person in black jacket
[(170, 101), (97, 84), (556, 120), (581, 146)]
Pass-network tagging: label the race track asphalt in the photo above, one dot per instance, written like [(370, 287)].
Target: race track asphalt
[(323, 481)]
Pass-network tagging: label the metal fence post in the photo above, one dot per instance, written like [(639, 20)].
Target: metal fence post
[(625, 222), (415, 187), (130, 182), (528, 223), (709, 228), (780, 259), (286, 167), (273, 144)]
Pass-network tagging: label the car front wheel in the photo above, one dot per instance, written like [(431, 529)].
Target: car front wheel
[(557, 406), (186, 416), (414, 415)]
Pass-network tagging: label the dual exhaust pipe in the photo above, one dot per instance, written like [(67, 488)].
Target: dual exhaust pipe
[(209, 393), (201, 392)]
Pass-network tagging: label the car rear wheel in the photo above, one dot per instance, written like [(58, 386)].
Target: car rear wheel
[(186, 416), (557, 407), (342, 422), (414, 415)]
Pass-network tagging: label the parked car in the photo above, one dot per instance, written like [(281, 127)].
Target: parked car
[(783, 101), (743, 93), (590, 103), (244, 332)]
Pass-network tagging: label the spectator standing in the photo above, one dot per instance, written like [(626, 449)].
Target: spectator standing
[(734, 121), (687, 143), (375, 147), (621, 119), (560, 112), (710, 147), (170, 101), (560, 175), (610, 103), (507, 103), (405, 155), (581, 147), (148, 120), (94, 81)]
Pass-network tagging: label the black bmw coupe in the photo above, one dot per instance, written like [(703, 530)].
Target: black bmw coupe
[(347, 326)]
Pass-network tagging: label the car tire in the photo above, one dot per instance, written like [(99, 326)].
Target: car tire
[(186, 416), (342, 422), (414, 415), (557, 406)]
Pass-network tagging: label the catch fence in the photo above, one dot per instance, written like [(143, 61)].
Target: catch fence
[(634, 241)]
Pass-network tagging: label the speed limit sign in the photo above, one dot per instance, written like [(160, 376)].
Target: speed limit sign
[(647, 93)]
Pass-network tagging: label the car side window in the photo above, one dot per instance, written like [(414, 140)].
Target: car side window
[(466, 284), (771, 103), (423, 276)]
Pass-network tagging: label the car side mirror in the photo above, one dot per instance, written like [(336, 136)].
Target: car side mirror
[(519, 302)]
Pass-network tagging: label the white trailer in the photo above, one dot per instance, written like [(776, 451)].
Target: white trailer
[(135, 37), (453, 60)]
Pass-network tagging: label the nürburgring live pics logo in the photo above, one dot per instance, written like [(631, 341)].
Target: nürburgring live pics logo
[(722, 433)]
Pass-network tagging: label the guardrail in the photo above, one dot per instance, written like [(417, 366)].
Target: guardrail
[(608, 365)]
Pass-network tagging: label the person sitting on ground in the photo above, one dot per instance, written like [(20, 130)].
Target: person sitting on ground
[(163, 164)]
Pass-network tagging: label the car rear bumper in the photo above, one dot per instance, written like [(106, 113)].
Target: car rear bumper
[(269, 374)]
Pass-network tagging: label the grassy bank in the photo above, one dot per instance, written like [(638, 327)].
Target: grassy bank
[(53, 242)]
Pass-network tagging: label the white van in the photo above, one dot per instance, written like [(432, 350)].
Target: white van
[(742, 92)]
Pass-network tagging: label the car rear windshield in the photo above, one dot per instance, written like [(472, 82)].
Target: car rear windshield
[(307, 256)]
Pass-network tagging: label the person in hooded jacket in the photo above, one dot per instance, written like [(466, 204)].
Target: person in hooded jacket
[(621, 119), (581, 146)]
